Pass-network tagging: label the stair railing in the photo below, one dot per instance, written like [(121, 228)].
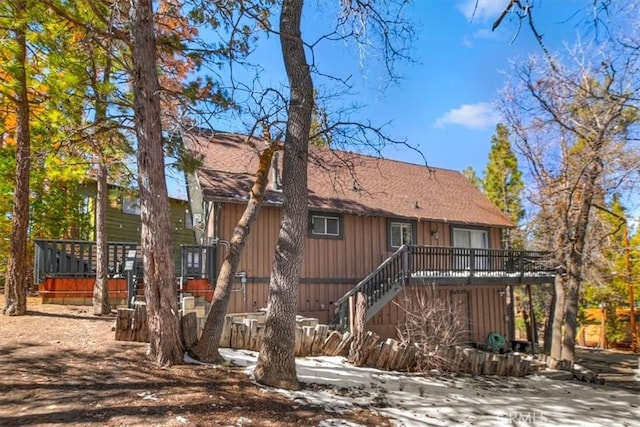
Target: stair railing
[(393, 272)]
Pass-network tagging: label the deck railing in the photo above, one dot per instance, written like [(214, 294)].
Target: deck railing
[(199, 262), (391, 275), (77, 258), (445, 265), (440, 261)]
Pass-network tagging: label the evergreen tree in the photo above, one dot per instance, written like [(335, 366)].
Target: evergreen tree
[(503, 181), (471, 174)]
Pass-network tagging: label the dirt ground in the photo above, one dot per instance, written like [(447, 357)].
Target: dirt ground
[(61, 365), (619, 368)]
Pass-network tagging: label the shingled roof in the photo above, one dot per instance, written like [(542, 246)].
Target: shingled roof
[(345, 182)]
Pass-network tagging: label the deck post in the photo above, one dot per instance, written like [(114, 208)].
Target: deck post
[(352, 313), (472, 262), (532, 320), (358, 329)]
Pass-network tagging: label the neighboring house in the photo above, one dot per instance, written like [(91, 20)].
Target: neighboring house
[(388, 222), (123, 217), (64, 269)]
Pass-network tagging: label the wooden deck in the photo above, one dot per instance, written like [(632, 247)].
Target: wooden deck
[(438, 265)]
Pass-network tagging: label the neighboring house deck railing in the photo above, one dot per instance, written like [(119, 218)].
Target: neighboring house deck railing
[(446, 265), (77, 258)]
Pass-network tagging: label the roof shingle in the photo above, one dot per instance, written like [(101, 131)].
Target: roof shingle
[(346, 182)]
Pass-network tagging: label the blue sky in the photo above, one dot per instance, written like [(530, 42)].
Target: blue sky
[(444, 103)]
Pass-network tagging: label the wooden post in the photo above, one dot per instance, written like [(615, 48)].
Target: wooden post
[(251, 340), (132, 325), (298, 341), (374, 354), (343, 348), (408, 358), (319, 339), (603, 327), (225, 339), (124, 324), (352, 312), (532, 319), (189, 325), (308, 332), (331, 342), (358, 325)]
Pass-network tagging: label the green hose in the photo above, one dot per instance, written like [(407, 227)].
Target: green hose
[(495, 340)]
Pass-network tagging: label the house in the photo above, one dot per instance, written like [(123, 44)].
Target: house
[(64, 270), (378, 226)]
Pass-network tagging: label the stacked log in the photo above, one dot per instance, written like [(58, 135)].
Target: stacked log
[(132, 324), (189, 326), (244, 331), (312, 339)]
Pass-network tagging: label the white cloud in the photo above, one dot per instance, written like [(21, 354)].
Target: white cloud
[(473, 116), (482, 10)]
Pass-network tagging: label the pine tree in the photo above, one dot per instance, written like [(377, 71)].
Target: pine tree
[(503, 181), (471, 174)]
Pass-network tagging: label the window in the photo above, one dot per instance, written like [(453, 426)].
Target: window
[(471, 239), (131, 206), (277, 176), (325, 226), (188, 222), (400, 233)]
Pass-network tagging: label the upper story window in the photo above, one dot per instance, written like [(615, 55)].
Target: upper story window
[(277, 173), (131, 206), (325, 225), (470, 238), (400, 233), (188, 220)]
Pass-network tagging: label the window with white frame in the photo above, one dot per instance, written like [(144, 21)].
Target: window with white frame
[(325, 225), (400, 233)]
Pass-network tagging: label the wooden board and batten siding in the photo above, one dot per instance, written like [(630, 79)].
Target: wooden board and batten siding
[(332, 267), (483, 306)]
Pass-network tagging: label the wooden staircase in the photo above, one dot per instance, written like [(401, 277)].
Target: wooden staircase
[(380, 287)]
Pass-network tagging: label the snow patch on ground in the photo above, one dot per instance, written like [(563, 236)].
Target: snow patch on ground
[(416, 400)]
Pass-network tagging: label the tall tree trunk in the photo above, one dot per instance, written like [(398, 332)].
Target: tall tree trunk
[(576, 253), (548, 330), (358, 330), (16, 276), (558, 318), (101, 303), (570, 320), (207, 348), (532, 320), (159, 269), (276, 362)]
